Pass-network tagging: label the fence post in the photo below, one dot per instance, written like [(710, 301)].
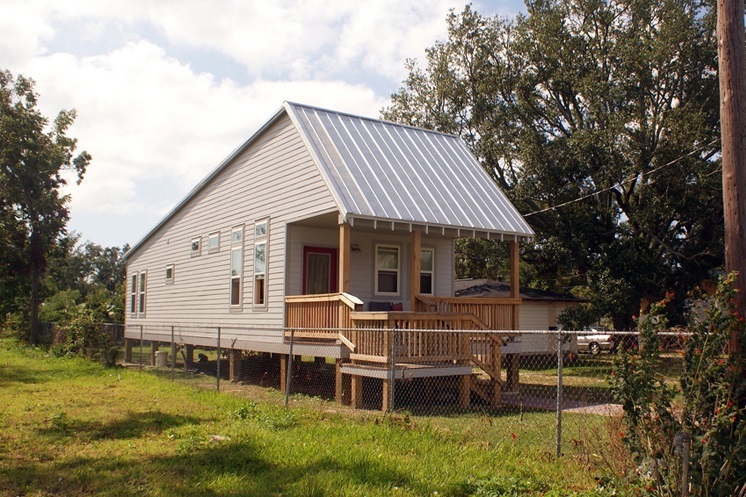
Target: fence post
[(559, 393), (289, 372), (393, 370), (141, 333), (173, 353), (217, 373)]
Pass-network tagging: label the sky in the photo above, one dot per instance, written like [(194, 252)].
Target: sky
[(164, 90)]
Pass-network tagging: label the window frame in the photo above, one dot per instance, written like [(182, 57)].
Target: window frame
[(215, 235), (197, 240), (170, 278), (133, 294), (378, 270), (237, 246), (431, 271), (260, 290), (142, 292)]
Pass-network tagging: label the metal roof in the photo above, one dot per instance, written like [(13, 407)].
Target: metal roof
[(390, 172)]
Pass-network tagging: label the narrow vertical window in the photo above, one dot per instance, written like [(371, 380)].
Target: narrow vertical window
[(133, 294), (143, 286), (170, 274), (196, 246), (236, 265), (387, 270), (213, 242), (427, 271), (261, 242)]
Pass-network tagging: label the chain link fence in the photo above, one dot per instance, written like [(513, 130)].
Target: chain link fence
[(552, 385)]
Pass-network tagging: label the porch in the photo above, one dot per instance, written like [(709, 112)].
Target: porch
[(446, 337)]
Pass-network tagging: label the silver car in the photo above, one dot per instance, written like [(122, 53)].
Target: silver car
[(596, 341)]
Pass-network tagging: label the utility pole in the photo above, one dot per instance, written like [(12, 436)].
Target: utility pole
[(732, 74)]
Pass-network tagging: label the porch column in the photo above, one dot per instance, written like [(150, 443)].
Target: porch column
[(344, 258), (415, 268)]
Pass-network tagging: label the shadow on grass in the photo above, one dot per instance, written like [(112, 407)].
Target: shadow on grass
[(12, 374), (133, 425), (221, 468)]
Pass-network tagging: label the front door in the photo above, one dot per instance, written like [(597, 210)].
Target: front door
[(319, 270)]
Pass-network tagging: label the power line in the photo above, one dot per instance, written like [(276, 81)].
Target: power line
[(603, 190)]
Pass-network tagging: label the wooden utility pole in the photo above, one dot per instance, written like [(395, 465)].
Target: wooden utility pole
[(732, 73)]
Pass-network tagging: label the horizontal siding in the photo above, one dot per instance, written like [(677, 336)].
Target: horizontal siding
[(276, 178)]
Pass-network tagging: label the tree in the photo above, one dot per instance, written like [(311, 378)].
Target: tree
[(33, 156), (599, 119)]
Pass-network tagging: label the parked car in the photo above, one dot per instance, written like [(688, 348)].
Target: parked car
[(596, 340)]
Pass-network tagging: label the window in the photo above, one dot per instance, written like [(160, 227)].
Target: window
[(213, 242), (236, 265), (196, 246), (427, 268), (169, 274), (387, 270), (261, 235), (133, 294), (142, 287)]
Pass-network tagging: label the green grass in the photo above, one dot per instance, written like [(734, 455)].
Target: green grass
[(70, 428)]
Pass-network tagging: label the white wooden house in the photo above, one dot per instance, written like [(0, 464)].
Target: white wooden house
[(310, 225)]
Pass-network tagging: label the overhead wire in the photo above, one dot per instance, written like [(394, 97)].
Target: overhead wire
[(620, 183)]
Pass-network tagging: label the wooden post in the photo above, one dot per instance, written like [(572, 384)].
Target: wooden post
[(415, 268), (234, 365), (511, 372), (496, 351), (732, 73), (189, 355), (356, 398), (386, 391), (465, 391), (284, 359), (127, 350), (153, 349), (338, 387), (344, 258)]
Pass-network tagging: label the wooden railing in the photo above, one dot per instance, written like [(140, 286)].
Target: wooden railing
[(320, 316), (493, 314), (418, 337)]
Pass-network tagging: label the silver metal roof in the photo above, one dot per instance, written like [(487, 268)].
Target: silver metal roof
[(390, 172)]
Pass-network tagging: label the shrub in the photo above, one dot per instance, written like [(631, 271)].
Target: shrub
[(709, 405), (81, 333)]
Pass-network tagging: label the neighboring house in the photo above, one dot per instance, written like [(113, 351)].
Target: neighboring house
[(539, 311), (315, 224)]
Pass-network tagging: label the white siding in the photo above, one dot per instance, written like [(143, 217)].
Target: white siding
[(274, 177)]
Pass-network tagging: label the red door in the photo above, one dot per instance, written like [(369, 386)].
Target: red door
[(319, 270)]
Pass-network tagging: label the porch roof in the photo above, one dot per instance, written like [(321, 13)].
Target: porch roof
[(383, 171)]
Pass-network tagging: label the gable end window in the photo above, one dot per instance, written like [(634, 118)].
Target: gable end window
[(196, 246), (261, 243), (213, 243), (133, 295), (143, 276), (170, 274), (387, 270), (236, 280)]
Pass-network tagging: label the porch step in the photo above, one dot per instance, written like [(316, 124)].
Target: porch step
[(483, 388)]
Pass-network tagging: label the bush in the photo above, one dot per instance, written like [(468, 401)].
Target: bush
[(81, 333), (708, 406)]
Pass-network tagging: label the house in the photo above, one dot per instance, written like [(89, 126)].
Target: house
[(334, 228), (539, 311)]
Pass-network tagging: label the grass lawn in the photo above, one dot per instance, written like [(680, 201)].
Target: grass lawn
[(69, 427)]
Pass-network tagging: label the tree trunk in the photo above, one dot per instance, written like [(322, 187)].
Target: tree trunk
[(731, 57), (36, 262)]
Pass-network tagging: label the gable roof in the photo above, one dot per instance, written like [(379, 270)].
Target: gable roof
[(386, 171), (498, 289), (383, 171)]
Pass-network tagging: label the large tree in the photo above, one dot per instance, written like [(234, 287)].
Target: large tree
[(599, 118), (34, 153)]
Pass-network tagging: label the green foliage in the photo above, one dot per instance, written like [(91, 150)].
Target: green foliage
[(608, 101), (81, 333), (711, 408), (34, 154)]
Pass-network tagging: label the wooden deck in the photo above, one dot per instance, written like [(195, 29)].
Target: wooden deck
[(442, 336)]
